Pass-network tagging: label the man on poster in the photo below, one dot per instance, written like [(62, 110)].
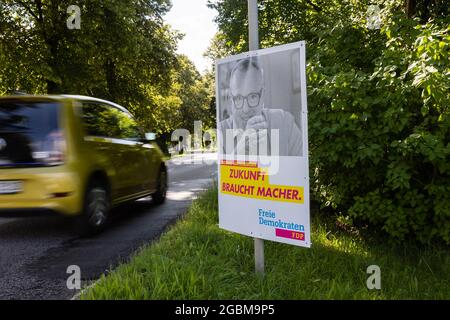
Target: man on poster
[(251, 123)]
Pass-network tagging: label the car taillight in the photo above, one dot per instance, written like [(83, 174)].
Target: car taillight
[(52, 150)]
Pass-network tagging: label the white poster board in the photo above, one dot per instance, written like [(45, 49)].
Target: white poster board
[(263, 169)]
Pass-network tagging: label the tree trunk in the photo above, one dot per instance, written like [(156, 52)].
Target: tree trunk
[(111, 81), (425, 14), (52, 87), (410, 8)]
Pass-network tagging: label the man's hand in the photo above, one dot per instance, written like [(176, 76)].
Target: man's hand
[(254, 134), (257, 122)]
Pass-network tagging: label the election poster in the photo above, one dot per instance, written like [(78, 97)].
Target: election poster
[(263, 169)]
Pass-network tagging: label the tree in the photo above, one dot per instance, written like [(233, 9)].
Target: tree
[(218, 48), (279, 21), (123, 53), (187, 99), (121, 47), (426, 9)]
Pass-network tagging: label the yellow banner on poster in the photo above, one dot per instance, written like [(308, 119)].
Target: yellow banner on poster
[(252, 182)]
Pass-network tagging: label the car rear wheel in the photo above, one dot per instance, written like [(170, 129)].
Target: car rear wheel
[(160, 195), (96, 209)]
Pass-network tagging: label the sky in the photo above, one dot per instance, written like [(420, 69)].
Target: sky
[(195, 20)]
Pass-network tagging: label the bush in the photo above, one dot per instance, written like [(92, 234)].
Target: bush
[(380, 125)]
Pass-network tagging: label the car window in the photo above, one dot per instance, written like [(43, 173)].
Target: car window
[(99, 121), (28, 129), (127, 125), (108, 121)]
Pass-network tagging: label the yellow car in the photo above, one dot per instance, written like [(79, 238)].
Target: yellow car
[(74, 155)]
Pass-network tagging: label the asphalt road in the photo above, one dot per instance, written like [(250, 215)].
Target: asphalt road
[(36, 252)]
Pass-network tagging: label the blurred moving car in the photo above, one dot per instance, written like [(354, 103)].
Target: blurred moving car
[(74, 155)]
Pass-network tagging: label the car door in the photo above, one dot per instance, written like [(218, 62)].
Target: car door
[(139, 156), (101, 128)]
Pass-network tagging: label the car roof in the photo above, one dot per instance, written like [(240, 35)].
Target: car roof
[(62, 97), (92, 99)]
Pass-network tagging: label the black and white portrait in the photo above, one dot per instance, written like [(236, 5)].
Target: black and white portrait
[(260, 105)]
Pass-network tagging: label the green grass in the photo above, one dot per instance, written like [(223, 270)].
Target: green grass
[(197, 260)]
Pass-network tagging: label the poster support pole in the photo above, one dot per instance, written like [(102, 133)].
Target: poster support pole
[(253, 24), (254, 45)]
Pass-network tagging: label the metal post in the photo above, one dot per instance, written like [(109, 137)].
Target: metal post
[(259, 256), (253, 25), (253, 42)]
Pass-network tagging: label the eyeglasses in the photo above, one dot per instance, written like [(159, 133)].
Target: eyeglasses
[(252, 98)]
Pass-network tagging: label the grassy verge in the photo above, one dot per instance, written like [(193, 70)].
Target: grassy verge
[(197, 260)]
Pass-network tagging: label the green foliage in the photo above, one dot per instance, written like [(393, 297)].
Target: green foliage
[(187, 99), (123, 53), (380, 130), (121, 44), (378, 106)]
